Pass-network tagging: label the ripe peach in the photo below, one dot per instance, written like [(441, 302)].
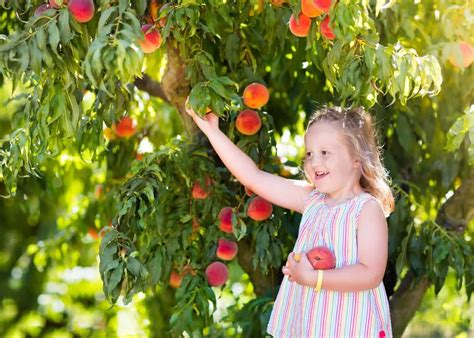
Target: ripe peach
[(259, 209), (151, 40), (57, 3), (41, 9), (226, 250), (126, 127), (248, 122), (467, 53), (81, 10), (322, 5), (217, 274), (301, 27), (255, 95), (326, 31), (198, 191), (225, 219), (175, 279), (321, 258), (93, 233), (109, 134), (249, 191), (309, 9)]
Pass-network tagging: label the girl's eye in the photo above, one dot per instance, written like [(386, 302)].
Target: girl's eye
[(308, 154), (324, 152)]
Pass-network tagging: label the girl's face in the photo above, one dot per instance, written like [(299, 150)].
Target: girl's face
[(328, 162)]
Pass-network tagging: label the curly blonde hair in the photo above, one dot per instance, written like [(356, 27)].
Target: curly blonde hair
[(358, 127)]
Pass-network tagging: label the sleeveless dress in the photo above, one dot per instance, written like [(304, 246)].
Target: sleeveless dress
[(301, 312)]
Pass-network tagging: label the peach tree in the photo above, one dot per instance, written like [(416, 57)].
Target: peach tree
[(98, 92)]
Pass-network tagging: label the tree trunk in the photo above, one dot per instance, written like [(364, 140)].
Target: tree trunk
[(454, 215)]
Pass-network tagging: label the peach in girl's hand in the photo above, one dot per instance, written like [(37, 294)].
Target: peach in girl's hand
[(321, 258)]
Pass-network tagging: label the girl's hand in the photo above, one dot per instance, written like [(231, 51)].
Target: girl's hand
[(209, 122), (299, 270)]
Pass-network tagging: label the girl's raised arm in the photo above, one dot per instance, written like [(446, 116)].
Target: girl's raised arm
[(283, 192)]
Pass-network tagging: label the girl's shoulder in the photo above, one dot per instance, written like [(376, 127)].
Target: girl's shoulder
[(314, 196)]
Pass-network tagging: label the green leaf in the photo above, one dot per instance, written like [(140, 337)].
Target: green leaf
[(54, 37)]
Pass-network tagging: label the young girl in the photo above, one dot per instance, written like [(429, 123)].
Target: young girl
[(344, 202)]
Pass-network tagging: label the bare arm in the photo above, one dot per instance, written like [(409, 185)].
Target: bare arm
[(283, 192), (372, 244)]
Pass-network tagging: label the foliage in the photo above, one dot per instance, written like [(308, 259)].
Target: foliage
[(71, 84)]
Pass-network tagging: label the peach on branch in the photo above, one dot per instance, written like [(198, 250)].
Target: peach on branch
[(248, 122), (175, 279), (126, 127), (93, 233), (300, 27), (309, 9), (225, 219), (226, 250), (199, 192), (322, 5), (466, 53), (57, 3), (217, 274), (321, 258), (259, 209), (151, 40), (81, 10), (326, 31), (255, 95)]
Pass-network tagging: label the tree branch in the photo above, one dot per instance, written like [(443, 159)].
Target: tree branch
[(152, 87)]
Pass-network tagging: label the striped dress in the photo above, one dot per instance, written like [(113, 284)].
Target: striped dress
[(299, 311)]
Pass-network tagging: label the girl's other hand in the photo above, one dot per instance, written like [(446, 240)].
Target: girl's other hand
[(299, 269), (210, 121)]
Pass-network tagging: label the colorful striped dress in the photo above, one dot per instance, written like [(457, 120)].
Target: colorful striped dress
[(301, 312)]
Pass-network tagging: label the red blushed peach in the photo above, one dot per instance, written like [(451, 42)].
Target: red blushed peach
[(151, 40), (326, 31), (259, 209), (322, 5), (225, 220), (81, 10), (41, 9), (93, 233), (126, 127), (199, 192), (321, 258), (248, 122), (249, 191), (301, 26), (57, 4), (309, 9), (226, 250), (467, 55), (217, 274), (175, 280), (256, 95)]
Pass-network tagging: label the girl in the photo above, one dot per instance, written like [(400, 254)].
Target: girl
[(344, 202)]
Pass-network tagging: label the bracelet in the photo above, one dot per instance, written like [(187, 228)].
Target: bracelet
[(319, 283)]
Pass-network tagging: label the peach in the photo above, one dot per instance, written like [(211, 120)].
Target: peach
[(198, 191), (249, 191), (255, 95), (217, 274), (248, 122), (154, 7), (41, 9), (278, 3), (175, 279), (225, 219), (109, 134), (57, 3), (322, 5), (321, 258), (326, 31), (93, 233), (309, 9), (151, 40), (259, 209), (467, 54), (301, 26), (99, 191), (226, 250), (81, 10), (126, 127)]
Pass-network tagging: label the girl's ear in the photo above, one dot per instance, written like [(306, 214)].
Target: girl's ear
[(356, 163)]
